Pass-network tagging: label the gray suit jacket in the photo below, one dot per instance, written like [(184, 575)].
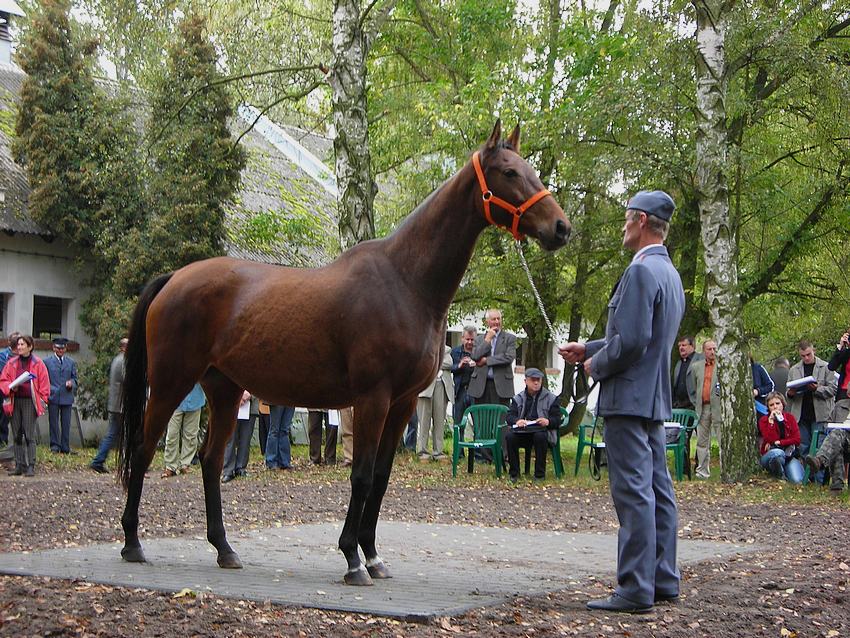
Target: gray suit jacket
[(823, 398), (632, 362), (501, 361), (116, 382), (443, 382), (696, 376)]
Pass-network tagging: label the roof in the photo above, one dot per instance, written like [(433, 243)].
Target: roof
[(9, 6), (274, 193)]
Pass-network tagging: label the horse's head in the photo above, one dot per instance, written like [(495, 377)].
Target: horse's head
[(513, 195)]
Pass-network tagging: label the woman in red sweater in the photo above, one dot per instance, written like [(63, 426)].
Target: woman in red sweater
[(780, 438), (25, 402)]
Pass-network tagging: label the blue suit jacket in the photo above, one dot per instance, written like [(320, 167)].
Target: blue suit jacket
[(632, 362), (60, 373)]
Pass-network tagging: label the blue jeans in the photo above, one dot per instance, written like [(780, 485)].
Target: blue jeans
[(792, 469), (108, 440), (278, 452)]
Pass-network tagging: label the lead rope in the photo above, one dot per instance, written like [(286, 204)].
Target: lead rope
[(525, 267), (593, 466)]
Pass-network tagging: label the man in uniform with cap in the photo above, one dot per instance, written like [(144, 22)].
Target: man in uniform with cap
[(62, 370), (534, 414), (632, 364)]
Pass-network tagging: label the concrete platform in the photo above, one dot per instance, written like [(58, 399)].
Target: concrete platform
[(438, 570)]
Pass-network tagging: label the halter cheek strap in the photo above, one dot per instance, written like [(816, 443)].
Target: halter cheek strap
[(488, 198)]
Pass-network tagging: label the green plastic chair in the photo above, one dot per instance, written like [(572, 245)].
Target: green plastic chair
[(585, 434), (814, 446), (688, 420), (487, 423)]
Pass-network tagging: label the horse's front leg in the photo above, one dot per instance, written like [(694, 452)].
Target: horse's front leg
[(396, 421), (223, 397), (369, 416)]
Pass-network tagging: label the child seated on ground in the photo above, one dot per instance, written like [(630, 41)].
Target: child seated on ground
[(780, 438)]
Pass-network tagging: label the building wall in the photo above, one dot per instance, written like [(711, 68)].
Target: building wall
[(30, 266)]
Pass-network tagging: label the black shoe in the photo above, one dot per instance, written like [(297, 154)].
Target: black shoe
[(30, 471), (617, 604), (667, 598), (227, 478), (99, 468), (16, 472), (813, 463), (241, 472), (514, 479)]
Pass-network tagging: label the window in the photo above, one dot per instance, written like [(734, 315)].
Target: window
[(48, 314)]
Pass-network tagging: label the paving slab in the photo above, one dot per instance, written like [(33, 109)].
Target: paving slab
[(439, 570)]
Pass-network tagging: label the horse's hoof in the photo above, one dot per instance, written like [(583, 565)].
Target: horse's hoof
[(357, 577), (133, 555), (379, 570), (229, 561)]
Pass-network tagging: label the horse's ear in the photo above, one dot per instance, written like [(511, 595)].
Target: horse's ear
[(513, 140), (496, 135)]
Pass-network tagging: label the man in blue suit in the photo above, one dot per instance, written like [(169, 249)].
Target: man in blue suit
[(62, 370), (632, 364)]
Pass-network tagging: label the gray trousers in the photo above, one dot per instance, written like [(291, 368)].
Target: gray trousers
[(24, 422), (643, 497), (831, 455), (239, 446)]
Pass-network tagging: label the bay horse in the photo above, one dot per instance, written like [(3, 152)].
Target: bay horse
[(366, 331)]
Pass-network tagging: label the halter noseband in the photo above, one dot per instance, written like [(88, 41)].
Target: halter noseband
[(516, 211)]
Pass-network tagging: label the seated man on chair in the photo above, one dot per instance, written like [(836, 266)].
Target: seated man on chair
[(533, 417)]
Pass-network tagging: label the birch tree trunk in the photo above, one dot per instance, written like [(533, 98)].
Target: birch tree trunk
[(357, 188), (738, 455)]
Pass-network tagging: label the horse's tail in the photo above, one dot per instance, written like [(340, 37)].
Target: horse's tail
[(134, 393)]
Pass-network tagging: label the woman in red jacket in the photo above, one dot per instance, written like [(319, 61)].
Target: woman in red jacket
[(25, 402), (780, 437)]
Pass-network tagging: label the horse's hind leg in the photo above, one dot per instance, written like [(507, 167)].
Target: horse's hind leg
[(370, 412), (156, 420), (223, 396), (396, 421)]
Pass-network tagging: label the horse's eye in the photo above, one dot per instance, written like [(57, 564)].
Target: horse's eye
[(509, 172)]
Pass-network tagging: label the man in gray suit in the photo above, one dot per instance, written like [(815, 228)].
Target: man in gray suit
[(494, 353), (632, 364)]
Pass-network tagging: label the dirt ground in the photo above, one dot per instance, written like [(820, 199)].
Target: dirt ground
[(796, 585)]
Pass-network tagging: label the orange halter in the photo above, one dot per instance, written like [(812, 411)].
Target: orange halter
[(516, 211)]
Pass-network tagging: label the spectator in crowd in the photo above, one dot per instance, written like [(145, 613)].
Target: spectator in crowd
[(431, 410), (346, 427), (687, 355), (278, 449), (705, 397), (411, 431), (779, 374), (315, 419), (181, 437), (238, 449), (5, 354), (462, 366), (830, 456), (780, 437), (494, 353), (263, 410), (63, 385), (811, 404), (533, 416), (762, 383), (840, 363), (24, 402), (113, 408)]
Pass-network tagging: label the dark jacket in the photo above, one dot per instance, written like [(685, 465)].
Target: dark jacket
[(761, 381)]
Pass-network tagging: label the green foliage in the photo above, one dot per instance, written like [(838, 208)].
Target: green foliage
[(196, 165)]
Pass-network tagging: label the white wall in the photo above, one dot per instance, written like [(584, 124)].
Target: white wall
[(30, 266)]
